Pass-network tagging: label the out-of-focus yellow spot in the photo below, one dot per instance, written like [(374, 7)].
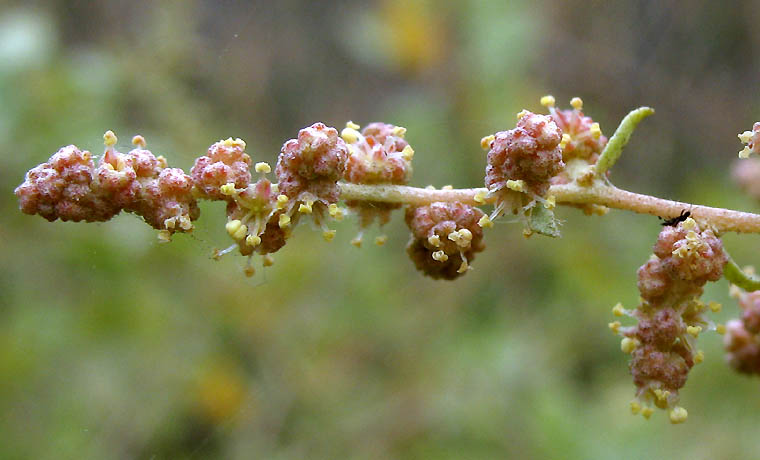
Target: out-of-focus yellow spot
[(268, 260), (328, 235), (635, 407), (647, 412), (220, 394), (699, 357), (618, 309), (381, 240), (414, 33), (714, 306), (720, 329), (694, 330), (614, 326)]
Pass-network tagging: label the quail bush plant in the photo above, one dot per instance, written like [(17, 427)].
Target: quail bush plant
[(545, 160)]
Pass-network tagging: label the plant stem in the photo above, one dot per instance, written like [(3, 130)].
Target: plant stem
[(723, 220)]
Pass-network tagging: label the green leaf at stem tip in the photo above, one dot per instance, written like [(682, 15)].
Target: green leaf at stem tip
[(541, 220), (733, 273), (614, 147)]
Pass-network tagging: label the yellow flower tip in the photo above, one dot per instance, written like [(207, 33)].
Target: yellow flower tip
[(268, 260), (678, 415), (714, 306), (305, 208), (689, 224), (527, 233), (381, 240), (463, 267), (282, 199), (236, 229), (263, 167), (351, 125), (551, 202), (647, 412), (614, 326), (618, 309), (139, 141), (595, 130), (480, 197), (284, 221), (408, 153), (577, 103), (744, 153), (694, 330), (335, 212), (565, 140), (635, 407), (548, 101), (720, 329), (162, 161), (485, 143), (164, 236), (516, 185), (522, 113), (253, 240), (485, 222), (399, 131), (434, 241), (109, 138), (328, 235), (699, 357), (350, 135), (227, 189), (627, 345), (249, 271), (440, 256), (447, 187), (230, 142), (357, 242), (745, 137)]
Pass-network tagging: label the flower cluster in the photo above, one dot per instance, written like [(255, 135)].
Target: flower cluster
[(670, 316), (225, 163), (69, 186), (445, 238), (742, 338), (378, 154)]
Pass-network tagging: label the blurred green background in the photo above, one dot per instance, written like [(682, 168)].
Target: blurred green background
[(113, 346)]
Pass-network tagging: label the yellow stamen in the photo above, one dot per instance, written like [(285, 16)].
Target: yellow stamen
[(577, 103), (678, 415), (263, 167), (548, 101), (284, 221), (381, 240), (109, 138), (485, 143), (440, 256), (139, 141)]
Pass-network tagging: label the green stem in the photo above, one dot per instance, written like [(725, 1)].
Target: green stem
[(733, 273), (614, 147)]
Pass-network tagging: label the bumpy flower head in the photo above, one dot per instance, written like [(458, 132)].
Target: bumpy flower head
[(445, 238), (752, 139), (377, 155), (671, 316), (310, 166), (225, 163), (742, 338), (581, 136), (63, 188)]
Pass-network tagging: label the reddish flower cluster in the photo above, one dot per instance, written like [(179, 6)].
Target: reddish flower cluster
[(529, 153), (742, 339), (445, 238), (70, 187), (225, 163), (377, 155), (670, 316), (581, 135)]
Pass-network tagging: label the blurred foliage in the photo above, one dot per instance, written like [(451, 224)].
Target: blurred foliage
[(112, 346)]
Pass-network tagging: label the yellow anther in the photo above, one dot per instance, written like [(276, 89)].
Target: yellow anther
[(447, 187), (227, 189), (551, 202), (647, 412), (689, 224), (328, 235), (408, 153), (565, 140), (352, 125), (164, 236), (627, 345), (430, 187), (263, 167), (109, 138), (678, 415), (434, 241), (440, 256), (465, 234), (463, 267), (230, 142), (335, 212), (694, 330), (720, 329), (284, 221), (527, 233), (268, 260), (745, 137), (522, 113), (548, 101), (350, 135), (248, 270), (282, 199), (139, 141), (381, 240), (236, 229), (357, 242), (162, 161), (399, 131), (595, 130), (577, 103), (485, 222), (485, 143), (480, 197), (714, 306), (699, 357), (744, 153), (614, 326), (516, 185), (253, 240), (635, 407), (305, 208), (618, 310)]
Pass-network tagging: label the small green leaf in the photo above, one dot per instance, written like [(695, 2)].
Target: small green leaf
[(614, 147), (541, 220), (733, 273)]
